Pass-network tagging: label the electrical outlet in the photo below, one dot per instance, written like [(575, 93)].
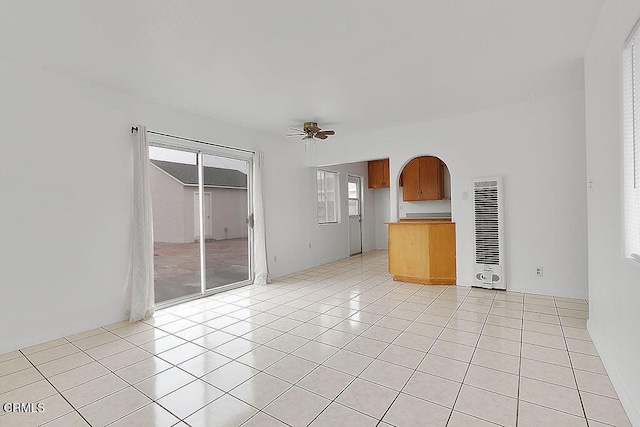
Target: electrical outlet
[(538, 271), (309, 245)]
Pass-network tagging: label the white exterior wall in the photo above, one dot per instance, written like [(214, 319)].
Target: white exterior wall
[(174, 210), (167, 198), (228, 209), (614, 281)]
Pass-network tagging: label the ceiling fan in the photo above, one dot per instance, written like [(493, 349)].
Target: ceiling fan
[(310, 130)]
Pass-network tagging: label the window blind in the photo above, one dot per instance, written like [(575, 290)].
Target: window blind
[(327, 197), (631, 131)]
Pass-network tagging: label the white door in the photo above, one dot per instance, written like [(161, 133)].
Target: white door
[(355, 214), (208, 226)]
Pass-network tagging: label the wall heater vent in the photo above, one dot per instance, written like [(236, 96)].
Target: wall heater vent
[(488, 233)]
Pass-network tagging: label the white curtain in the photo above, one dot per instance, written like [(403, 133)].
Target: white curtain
[(259, 231), (140, 286)]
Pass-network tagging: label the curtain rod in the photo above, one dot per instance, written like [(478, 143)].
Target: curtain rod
[(135, 129)]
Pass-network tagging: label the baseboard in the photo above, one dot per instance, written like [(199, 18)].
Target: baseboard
[(24, 342), (627, 402)]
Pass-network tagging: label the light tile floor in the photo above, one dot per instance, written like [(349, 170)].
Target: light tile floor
[(337, 345)]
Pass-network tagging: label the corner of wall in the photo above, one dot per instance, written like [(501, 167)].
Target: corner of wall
[(625, 399), (27, 341)]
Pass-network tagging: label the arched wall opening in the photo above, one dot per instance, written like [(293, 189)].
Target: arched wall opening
[(423, 188)]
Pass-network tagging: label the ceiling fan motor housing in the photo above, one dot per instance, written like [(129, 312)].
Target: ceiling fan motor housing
[(311, 127)]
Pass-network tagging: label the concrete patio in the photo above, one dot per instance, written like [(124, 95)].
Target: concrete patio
[(177, 266)]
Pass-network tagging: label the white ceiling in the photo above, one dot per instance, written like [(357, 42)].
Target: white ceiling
[(348, 64)]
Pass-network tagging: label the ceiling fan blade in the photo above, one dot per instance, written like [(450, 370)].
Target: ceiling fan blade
[(326, 132), (320, 135), (296, 134)]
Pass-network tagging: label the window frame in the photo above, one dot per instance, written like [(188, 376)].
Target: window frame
[(322, 193)]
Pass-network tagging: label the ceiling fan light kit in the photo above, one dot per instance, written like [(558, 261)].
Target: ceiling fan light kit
[(310, 130)]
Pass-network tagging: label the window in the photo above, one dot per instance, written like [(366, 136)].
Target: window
[(631, 94), (327, 197), (353, 187)]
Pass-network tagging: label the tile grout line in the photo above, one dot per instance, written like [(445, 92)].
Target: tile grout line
[(470, 359), (58, 391), (520, 360), (374, 359), (360, 334), (110, 371), (573, 372), (291, 353), (365, 368), (322, 364)]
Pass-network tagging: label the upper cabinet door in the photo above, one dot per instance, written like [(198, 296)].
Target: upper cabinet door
[(411, 181), (431, 178), (378, 173), (385, 173), (423, 179)]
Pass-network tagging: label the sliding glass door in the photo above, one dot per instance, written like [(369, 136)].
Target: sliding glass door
[(201, 201)]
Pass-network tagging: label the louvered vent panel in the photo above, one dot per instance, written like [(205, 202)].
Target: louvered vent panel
[(487, 225)]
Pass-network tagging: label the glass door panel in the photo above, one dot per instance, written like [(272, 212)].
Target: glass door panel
[(174, 184), (355, 214), (226, 213)]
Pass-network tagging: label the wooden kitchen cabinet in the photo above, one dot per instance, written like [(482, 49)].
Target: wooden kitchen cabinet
[(379, 173), (423, 252), (423, 179)]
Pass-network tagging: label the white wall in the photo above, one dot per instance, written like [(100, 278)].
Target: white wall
[(427, 206), (539, 149), (614, 282), (65, 183), (382, 207)]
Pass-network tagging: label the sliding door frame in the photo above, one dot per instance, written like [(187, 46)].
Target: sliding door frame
[(200, 149)]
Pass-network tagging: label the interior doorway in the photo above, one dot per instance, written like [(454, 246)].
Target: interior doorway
[(354, 192)]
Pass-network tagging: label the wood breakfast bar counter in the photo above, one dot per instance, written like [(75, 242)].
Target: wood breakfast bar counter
[(423, 251)]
